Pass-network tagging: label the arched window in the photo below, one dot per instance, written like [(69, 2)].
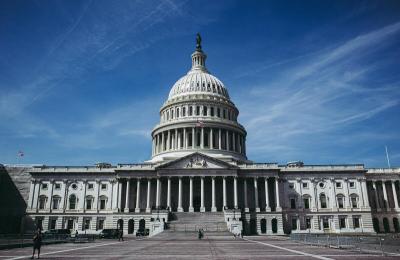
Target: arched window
[(89, 202), (340, 201), (103, 202), (322, 200), (72, 202), (354, 200), (306, 201), (42, 201), (177, 112), (56, 202), (183, 111)]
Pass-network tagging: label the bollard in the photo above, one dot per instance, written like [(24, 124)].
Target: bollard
[(380, 244)]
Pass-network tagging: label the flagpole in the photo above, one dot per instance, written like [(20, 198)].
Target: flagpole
[(387, 156)]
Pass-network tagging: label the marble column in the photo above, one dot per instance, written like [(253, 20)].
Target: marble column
[(158, 193), (180, 209), (176, 139), (267, 205), (219, 139), (127, 195), (224, 191), (227, 139), (365, 192), (148, 209), (333, 195), (193, 138), (137, 209), (213, 206), (211, 139), (278, 205), (234, 141), (168, 140), (235, 197), (191, 209), (202, 138), (202, 208), (185, 141), (246, 206), (169, 194), (377, 204), (347, 194), (396, 202), (119, 195), (162, 142), (256, 195), (385, 195)]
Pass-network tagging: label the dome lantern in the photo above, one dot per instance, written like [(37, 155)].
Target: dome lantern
[(198, 57)]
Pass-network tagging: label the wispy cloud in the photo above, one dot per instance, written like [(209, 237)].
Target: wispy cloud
[(326, 92)]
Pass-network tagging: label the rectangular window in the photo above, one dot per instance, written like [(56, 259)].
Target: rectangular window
[(190, 111), (86, 224), (197, 110), (53, 222), (44, 186), (352, 184), (294, 223), (212, 111), (340, 202), (306, 203), (104, 186), (292, 203), (338, 185), (204, 111), (291, 185), (88, 203), (308, 223), (183, 111), (224, 114), (356, 222), (90, 186), (102, 204), (70, 224), (305, 185), (325, 223), (57, 186), (100, 224), (342, 223), (218, 112)]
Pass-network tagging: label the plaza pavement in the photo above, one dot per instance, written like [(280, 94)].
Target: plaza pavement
[(181, 245)]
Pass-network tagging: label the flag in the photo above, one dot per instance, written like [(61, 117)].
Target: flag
[(20, 154), (199, 123)]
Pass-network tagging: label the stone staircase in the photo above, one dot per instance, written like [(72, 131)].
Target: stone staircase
[(193, 221)]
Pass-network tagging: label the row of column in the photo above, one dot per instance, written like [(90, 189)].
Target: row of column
[(179, 139), (184, 111), (202, 207), (385, 195)]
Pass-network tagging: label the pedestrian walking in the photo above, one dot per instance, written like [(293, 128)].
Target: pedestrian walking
[(120, 235), (37, 243)]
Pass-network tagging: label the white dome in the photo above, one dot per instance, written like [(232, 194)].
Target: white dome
[(198, 82)]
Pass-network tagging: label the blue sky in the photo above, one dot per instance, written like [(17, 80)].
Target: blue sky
[(82, 81)]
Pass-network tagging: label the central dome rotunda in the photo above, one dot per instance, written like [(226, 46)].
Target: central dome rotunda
[(198, 116)]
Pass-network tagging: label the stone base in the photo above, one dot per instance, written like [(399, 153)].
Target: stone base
[(137, 210), (268, 209), (246, 210), (203, 209), (258, 210), (180, 209), (191, 209), (214, 209), (148, 210), (126, 210)]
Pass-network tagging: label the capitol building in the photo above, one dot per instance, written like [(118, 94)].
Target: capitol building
[(200, 177)]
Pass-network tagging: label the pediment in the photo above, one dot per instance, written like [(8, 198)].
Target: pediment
[(196, 161)]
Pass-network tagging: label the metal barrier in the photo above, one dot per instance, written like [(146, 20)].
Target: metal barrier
[(381, 244)]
